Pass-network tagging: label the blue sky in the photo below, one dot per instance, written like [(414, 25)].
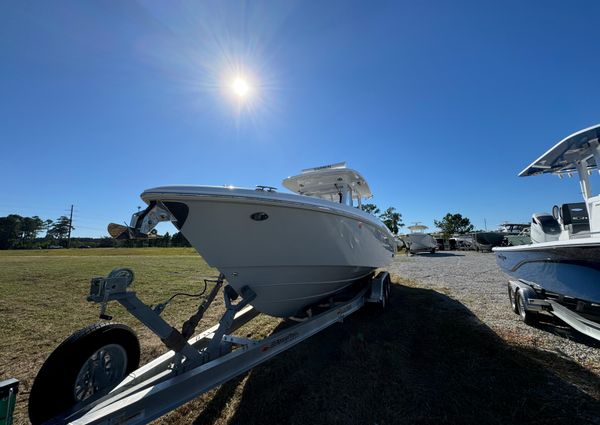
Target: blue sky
[(439, 104)]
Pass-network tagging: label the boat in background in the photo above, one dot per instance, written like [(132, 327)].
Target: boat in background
[(419, 241), (291, 250), (463, 242), (515, 233), (564, 256), (513, 228), (485, 241)]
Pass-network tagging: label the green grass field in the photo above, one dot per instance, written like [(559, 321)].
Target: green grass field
[(427, 359), (43, 300)]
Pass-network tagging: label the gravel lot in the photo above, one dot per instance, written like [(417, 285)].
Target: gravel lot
[(473, 279)]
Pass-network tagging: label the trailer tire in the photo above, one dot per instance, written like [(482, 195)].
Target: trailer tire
[(513, 301), (58, 385), (386, 292), (389, 289), (529, 317)]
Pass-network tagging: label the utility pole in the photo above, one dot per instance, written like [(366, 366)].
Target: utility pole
[(70, 226), (485, 223)]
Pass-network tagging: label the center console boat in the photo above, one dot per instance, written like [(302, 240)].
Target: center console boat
[(291, 249)]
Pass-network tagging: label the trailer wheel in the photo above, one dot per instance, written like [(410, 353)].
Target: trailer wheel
[(513, 302), (84, 367), (386, 292), (528, 317)]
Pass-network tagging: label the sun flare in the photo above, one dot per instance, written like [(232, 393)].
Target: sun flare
[(240, 87)]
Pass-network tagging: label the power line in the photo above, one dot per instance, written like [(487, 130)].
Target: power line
[(90, 228), (70, 227)]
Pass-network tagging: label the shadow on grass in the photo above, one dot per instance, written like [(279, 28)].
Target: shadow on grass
[(427, 359)]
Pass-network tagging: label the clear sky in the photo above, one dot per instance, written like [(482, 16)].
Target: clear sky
[(439, 104)]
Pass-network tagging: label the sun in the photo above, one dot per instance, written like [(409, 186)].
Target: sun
[(240, 87)]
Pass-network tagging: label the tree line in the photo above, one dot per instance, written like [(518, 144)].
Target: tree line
[(450, 224), (390, 217), (22, 232), (18, 232)]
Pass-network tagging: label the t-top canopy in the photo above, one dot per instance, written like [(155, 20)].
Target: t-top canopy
[(564, 156), (417, 227), (328, 181)]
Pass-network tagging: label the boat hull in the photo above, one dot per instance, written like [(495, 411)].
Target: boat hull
[(485, 241), (569, 269), (291, 254), (421, 242)]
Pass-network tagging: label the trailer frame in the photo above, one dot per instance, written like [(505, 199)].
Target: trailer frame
[(528, 299), (198, 364)]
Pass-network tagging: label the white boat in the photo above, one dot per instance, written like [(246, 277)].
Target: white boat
[(291, 250), (515, 233), (513, 228), (419, 241), (564, 256)]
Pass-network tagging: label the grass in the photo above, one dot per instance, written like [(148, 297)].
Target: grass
[(427, 359), (43, 300), (99, 252)]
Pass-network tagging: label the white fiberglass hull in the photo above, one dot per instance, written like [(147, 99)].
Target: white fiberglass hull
[(570, 268), (291, 250), (421, 242)]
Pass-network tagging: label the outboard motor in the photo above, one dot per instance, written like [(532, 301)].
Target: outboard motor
[(544, 228)]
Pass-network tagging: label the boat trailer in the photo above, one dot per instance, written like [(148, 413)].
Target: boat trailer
[(529, 299), (103, 388)]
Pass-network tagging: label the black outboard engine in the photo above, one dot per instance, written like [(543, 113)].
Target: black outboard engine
[(544, 228)]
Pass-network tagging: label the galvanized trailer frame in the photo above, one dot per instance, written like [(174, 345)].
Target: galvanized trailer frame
[(529, 299), (201, 363)]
